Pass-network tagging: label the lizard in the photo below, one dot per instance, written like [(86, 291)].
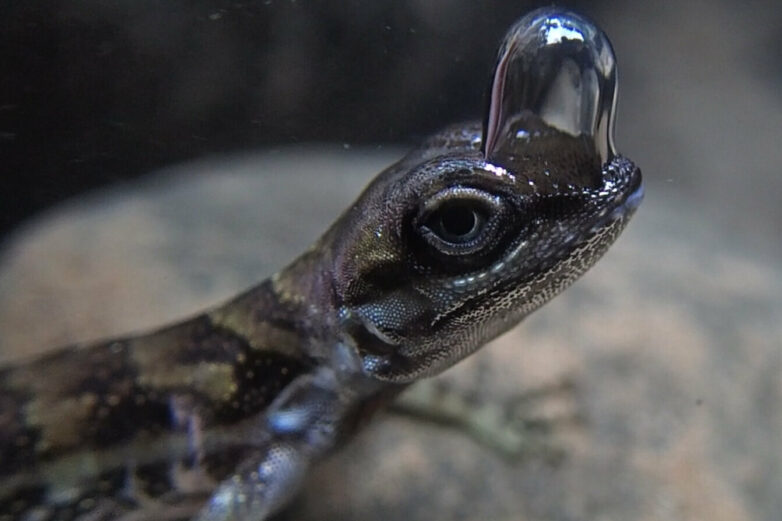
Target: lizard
[(219, 417)]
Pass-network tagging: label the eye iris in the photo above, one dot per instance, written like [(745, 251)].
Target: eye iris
[(460, 225), (459, 222)]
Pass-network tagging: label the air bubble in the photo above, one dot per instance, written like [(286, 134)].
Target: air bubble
[(556, 70)]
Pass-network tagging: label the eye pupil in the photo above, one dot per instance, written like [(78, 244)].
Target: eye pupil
[(458, 220)]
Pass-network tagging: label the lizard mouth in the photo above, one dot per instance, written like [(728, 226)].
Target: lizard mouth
[(631, 191)]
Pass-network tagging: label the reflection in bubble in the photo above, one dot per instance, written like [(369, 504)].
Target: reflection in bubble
[(555, 70)]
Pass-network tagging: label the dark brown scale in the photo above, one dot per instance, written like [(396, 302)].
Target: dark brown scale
[(259, 378), (17, 440), (154, 480), (12, 508)]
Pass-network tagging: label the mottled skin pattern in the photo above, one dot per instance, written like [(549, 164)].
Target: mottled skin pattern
[(219, 417)]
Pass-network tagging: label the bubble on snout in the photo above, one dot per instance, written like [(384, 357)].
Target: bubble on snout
[(556, 71)]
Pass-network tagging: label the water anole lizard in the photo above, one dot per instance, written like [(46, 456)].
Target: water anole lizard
[(219, 417)]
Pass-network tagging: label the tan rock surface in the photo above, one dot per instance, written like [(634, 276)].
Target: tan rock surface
[(673, 341)]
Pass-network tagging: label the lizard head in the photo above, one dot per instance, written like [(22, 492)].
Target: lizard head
[(464, 237)]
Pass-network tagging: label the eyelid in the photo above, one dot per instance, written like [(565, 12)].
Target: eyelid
[(461, 192)]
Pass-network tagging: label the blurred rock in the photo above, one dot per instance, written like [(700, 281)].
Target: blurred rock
[(673, 341)]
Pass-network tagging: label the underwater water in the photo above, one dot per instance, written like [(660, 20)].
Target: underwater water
[(185, 116)]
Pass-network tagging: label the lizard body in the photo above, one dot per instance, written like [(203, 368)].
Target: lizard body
[(218, 418)]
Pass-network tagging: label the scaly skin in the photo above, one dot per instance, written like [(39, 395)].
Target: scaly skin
[(219, 417)]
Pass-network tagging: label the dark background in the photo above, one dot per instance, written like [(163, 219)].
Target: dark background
[(92, 92)]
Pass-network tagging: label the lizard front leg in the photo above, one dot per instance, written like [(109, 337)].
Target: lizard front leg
[(305, 421), (264, 483)]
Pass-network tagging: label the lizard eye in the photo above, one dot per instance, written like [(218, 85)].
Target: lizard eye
[(460, 221)]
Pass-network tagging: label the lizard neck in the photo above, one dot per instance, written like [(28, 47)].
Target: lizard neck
[(292, 312)]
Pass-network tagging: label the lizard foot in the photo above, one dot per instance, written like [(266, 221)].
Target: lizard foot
[(519, 427)]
